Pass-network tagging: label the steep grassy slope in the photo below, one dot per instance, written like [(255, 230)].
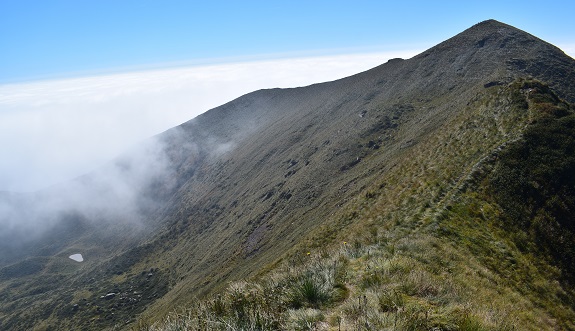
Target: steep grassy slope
[(436, 244), (401, 162), (313, 150)]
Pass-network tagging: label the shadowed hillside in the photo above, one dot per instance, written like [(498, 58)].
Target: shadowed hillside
[(430, 170)]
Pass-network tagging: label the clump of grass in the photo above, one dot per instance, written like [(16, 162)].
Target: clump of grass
[(321, 283), (373, 278), (470, 323), (353, 250), (242, 307), (390, 301), (311, 291), (304, 319)]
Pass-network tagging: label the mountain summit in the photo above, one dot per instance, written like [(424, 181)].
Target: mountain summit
[(493, 49), (428, 193)]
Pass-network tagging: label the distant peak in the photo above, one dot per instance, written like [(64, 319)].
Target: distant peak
[(491, 33), (491, 22), (493, 25), (490, 26)]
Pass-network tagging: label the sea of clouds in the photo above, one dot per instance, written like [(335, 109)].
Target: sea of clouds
[(55, 130)]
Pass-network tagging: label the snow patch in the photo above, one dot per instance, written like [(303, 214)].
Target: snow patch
[(77, 257)]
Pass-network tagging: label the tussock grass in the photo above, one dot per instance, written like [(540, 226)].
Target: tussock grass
[(407, 297)]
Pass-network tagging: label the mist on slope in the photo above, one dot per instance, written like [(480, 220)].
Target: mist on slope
[(53, 131), (57, 139), (116, 197)]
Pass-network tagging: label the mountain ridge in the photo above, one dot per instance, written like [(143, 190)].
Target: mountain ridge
[(275, 173), (348, 84)]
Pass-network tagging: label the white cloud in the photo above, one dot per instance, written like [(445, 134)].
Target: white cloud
[(569, 49), (52, 131)]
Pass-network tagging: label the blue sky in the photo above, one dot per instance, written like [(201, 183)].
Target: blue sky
[(52, 38), (82, 81)]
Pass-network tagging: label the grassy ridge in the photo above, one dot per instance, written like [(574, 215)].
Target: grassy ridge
[(457, 237)]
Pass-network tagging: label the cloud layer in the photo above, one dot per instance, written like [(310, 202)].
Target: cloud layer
[(52, 131)]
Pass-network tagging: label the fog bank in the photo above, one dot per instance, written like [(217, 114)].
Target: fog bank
[(53, 131)]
